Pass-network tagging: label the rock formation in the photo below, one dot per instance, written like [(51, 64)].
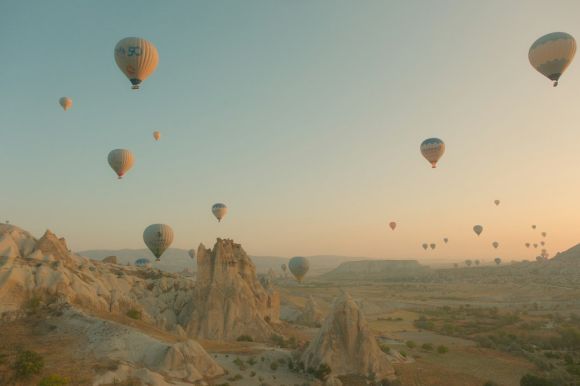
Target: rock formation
[(229, 300), (346, 344), (44, 274), (311, 315), (110, 259)]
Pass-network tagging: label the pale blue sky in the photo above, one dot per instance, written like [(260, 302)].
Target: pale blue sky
[(304, 117)]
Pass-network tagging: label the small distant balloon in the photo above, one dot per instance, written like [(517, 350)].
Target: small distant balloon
[(551, 54), (542, 243), (425, 246), (432, 149), (299, 266), (533, 227), (432, 245), (497, 260), (527, 245), (496, 202), (392, 225), (65, 102), (544, 234), (142, 262), (158, 237), (219, 210), (495, 244), (478, 229), (191, 253), (156, 135), (121, 160), (535, 245), (445, 240)]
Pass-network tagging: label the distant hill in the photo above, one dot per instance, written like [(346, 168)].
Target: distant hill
[(571, 255), (377, 270), (176, 260)]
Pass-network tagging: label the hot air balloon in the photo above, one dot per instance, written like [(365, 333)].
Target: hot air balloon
[(535, 245), (496, 202), (542, 243), (393, 225), (527, 245), (432, 245), (533, 227), (432, 149), (156, 135), (121, 160), (65, 102), (142, 262), (191, 253), (551, 54), (544, 234), (137, 58), (298, 265), (425, 246), (478, 229), (219, 211), (158, 237), (445, 240), (495, 244), (497, 260)]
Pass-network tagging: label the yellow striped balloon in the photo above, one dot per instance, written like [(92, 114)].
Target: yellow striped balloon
[(121, 160), (158, 237), (551, 54), (156, 135), (137, 58)]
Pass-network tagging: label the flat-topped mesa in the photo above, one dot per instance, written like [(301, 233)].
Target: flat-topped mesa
[(346, 344), (229, 300)]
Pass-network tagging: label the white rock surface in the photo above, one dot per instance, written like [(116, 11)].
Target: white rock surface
[(347, 345)]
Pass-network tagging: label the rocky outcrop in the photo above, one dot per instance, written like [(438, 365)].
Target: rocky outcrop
[(44, 275), (110, 259), (346, 344), (311, 315), (229, 300)]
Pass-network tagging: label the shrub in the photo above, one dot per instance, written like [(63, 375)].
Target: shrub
[(490, 383), (252, 361), (27, 364), (236, 377), (427, 346), (322, 372), (252, 373), (386, 349), (411, 344), (245, 338), (274, 366), (134, 314), (403, 353), (238, 362), (442, 349), (33, 304), (532, 380), (53, 380)]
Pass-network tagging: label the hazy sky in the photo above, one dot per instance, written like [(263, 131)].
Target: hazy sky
[(304, 117)]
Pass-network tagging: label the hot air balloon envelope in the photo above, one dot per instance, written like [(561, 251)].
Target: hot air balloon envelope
[(121, 160), (137, 58), (158, 237), (219, 210), (551, 54), (65, 102), (299, 266), (432, 149)]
